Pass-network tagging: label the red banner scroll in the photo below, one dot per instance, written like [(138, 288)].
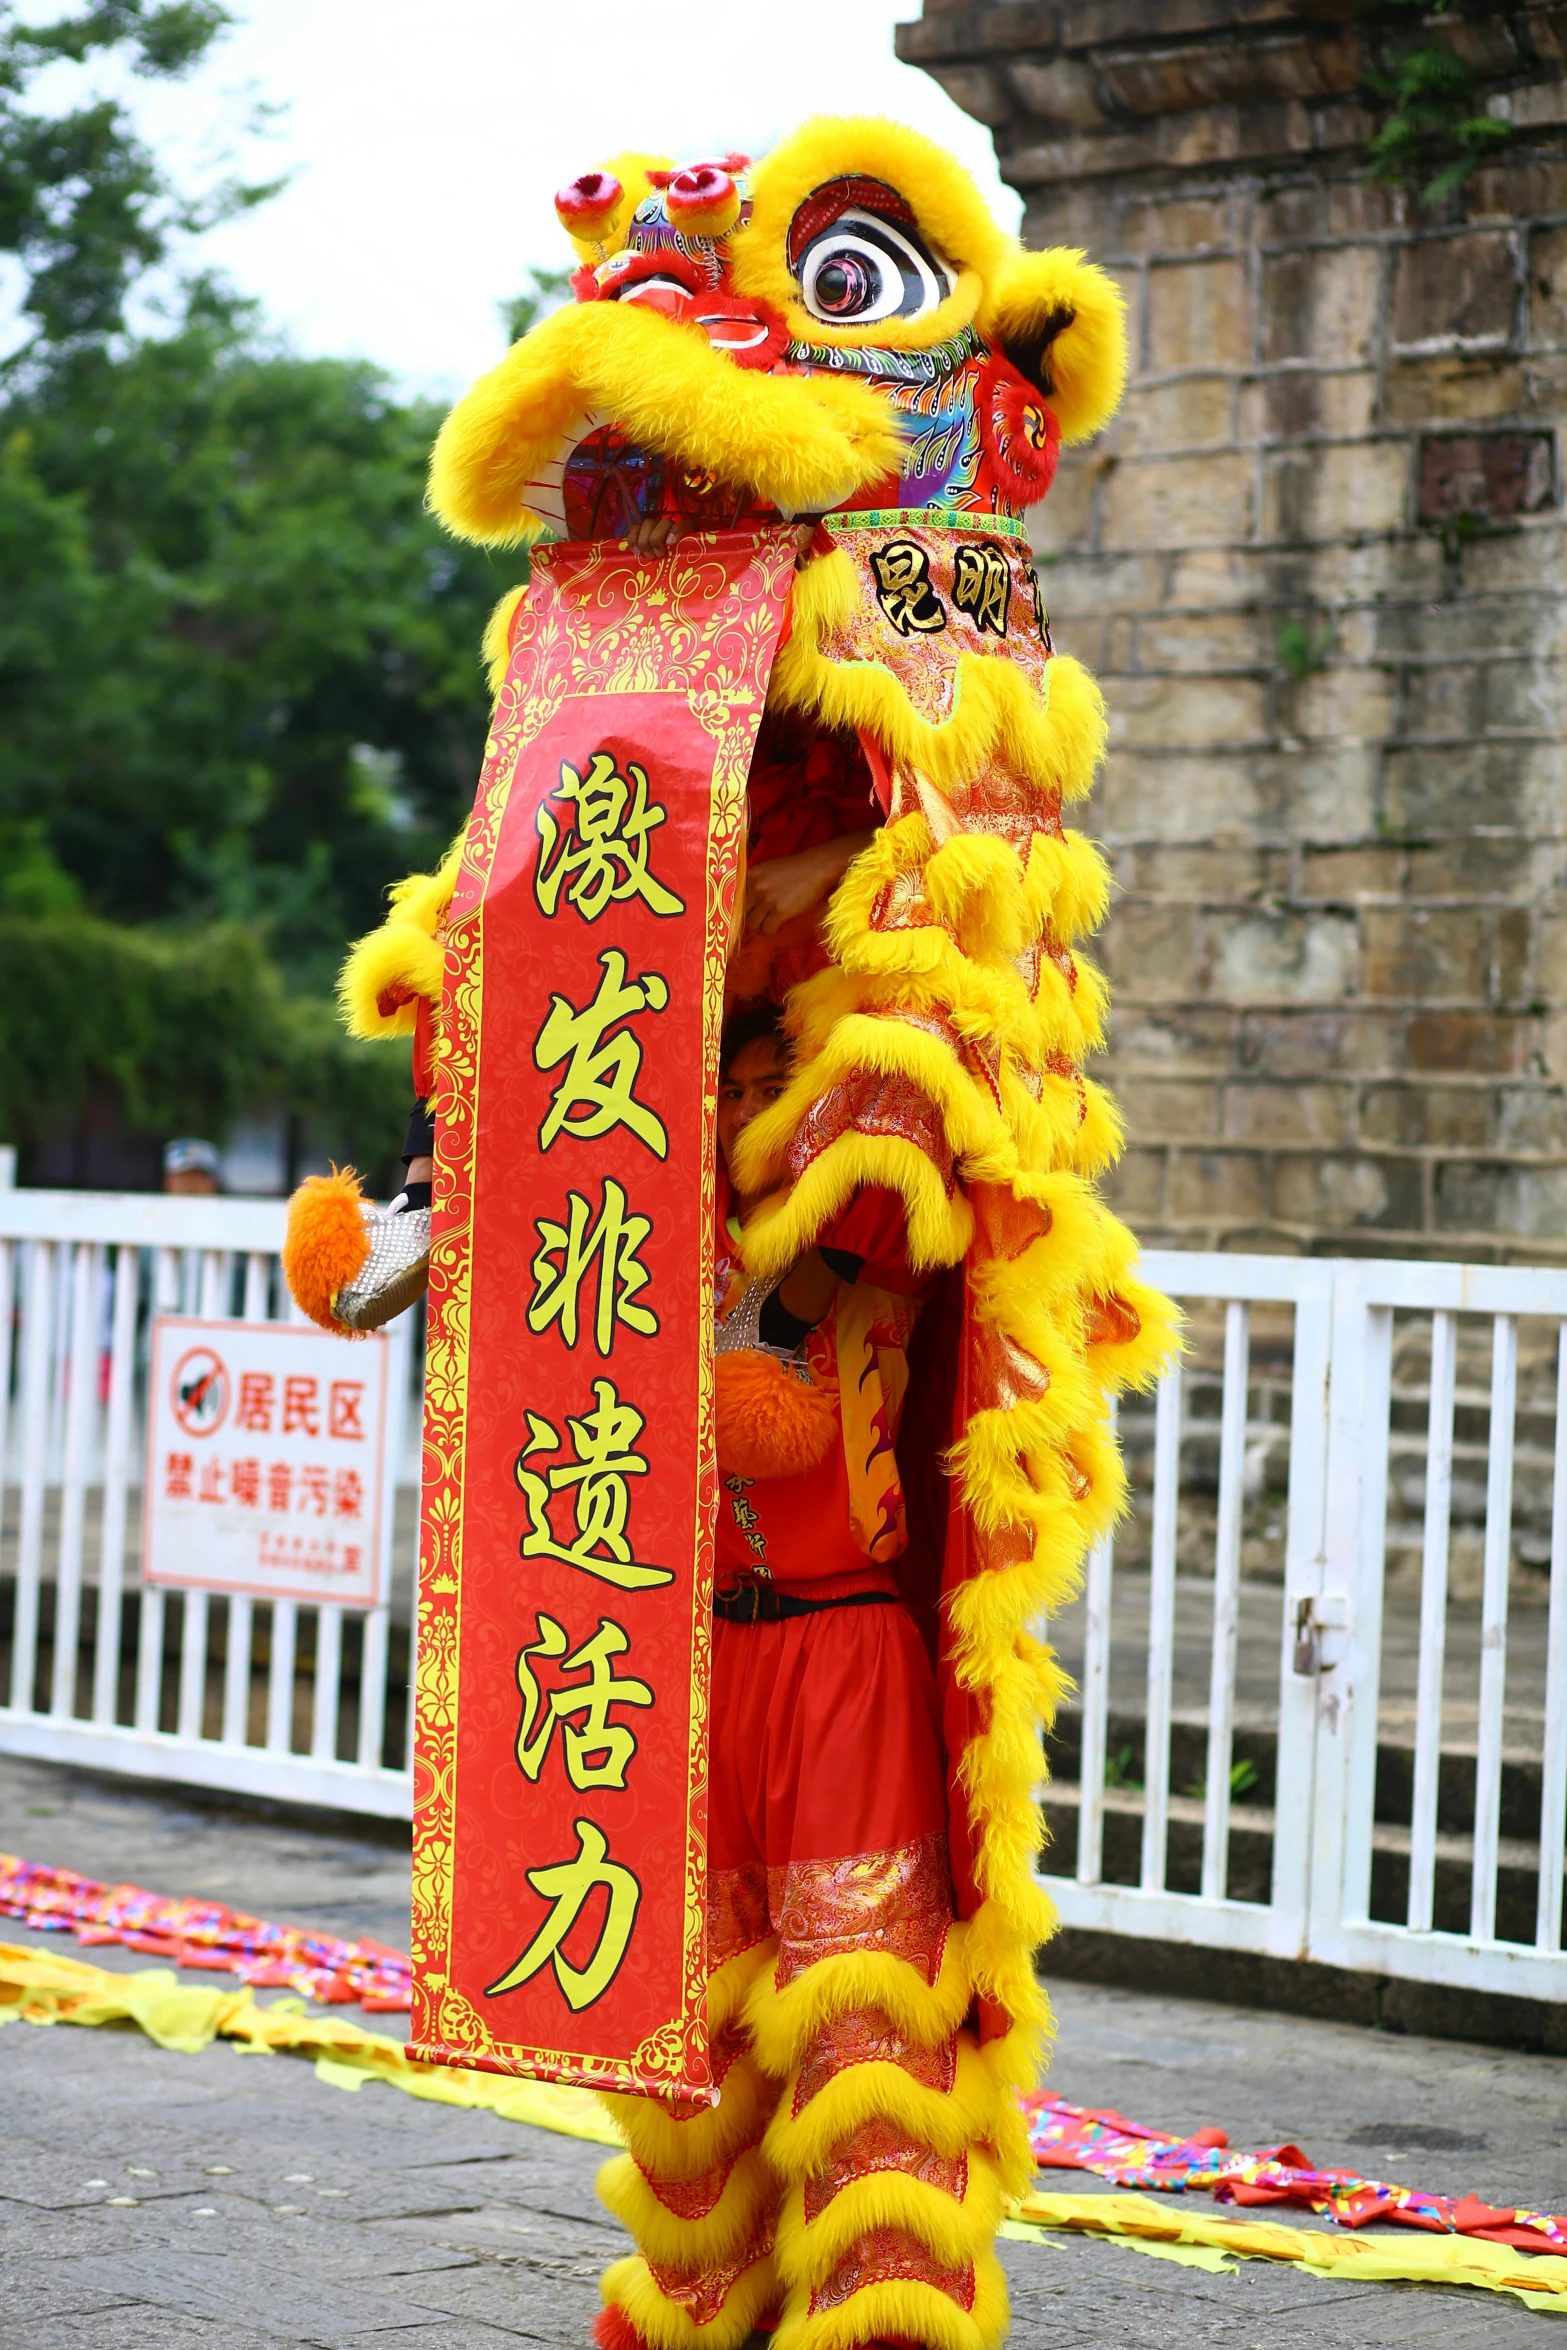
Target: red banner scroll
[(560, 1752)]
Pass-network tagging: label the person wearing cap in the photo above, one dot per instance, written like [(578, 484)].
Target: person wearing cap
[(191, 1167)]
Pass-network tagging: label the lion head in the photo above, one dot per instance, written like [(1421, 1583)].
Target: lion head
[(841, 326)]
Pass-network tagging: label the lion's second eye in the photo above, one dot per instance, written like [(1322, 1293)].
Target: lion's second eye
[(864, 268)]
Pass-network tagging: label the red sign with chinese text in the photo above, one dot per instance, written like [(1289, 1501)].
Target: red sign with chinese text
[(566, 1564)]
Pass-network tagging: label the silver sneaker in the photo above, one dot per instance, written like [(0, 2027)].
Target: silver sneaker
[(396, 1272)]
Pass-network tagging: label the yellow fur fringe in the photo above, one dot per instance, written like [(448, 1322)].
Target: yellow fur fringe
[(950, 2123), (803, 444), (986, 1009), (952, 2231), (664, 2325), (903, 2307), (781, 2024), (404, 952), (667, 2237), (1058, 741)]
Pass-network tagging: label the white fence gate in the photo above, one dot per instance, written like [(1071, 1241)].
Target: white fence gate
[(310, 1704)]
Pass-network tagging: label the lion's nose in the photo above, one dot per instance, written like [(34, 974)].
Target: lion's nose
[(586, 207), (703, 200)]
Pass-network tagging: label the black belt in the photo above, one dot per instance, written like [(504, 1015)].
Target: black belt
[(764, 1603)]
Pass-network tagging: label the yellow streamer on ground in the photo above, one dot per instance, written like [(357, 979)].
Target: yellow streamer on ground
[(1540, 2279), (36, 1987)]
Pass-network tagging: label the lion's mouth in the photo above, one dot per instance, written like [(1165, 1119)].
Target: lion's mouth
[(748, 332), (601, 482)]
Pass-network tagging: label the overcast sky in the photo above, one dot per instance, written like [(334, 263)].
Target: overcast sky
[(427, 139)]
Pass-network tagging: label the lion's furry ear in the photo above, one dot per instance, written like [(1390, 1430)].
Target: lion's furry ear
[(1062, 323)]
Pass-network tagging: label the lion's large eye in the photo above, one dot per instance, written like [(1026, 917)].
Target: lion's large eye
[(863, 269)]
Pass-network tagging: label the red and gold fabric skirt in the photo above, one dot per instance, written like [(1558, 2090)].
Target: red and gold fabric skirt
[(844, 2190)]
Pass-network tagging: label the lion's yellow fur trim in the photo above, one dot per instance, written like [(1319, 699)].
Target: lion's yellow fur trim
[(687, 2147), (1057, 741), (786, 1223), (749, 2192), (729, 1986), (907, 2309), (797, 443), (982, 1010), (403, 952), (664, 2325), (782, 2022), (954, 2231), (497, 638), (950, 2122)]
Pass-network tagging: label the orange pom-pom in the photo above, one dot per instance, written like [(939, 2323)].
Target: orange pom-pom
[(702, 200), (325, 1245), (587, 207), (769, 1423)]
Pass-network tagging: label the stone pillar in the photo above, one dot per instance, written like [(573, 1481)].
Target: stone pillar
[(1318, 564)]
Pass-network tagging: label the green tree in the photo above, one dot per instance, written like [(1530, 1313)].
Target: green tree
[(241, 676), (240, 689), (85, 208)]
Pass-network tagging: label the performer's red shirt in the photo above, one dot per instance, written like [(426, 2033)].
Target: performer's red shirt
[(839, 1525)]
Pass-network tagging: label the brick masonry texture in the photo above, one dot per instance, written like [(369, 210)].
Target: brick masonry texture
[(1318, 563)]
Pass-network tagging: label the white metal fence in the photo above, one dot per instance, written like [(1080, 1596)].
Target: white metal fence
[(1183, 1643), (269, 1698), (1333, 1824)]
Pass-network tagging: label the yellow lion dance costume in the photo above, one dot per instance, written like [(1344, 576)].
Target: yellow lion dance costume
[(842, 334)]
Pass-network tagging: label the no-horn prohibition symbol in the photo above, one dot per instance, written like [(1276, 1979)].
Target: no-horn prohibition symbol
[(201, 1391)]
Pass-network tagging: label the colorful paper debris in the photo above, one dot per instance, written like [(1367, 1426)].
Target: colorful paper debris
[(193, 1933), (1079, 2137)]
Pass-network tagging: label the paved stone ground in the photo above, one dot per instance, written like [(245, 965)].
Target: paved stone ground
[(150, 2201)]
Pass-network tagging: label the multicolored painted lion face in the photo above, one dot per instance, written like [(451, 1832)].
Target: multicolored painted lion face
[(842, 327)]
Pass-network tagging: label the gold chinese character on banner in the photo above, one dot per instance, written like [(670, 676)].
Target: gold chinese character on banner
[(903, 588), (982, 586), (598, 1090), (567, 1254), (600, 852), (567, 1886), (595, 1749), (603, 1442)]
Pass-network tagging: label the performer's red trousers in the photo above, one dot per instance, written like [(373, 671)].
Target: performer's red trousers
[(843, 2189)]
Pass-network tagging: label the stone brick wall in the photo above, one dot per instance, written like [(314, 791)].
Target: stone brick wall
[(1318, 564)]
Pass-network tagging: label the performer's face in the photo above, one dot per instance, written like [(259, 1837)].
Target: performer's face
[(752, 1082)]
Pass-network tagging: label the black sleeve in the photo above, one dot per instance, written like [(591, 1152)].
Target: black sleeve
[(419, 1141), (843, 1262), (776, 1326)]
